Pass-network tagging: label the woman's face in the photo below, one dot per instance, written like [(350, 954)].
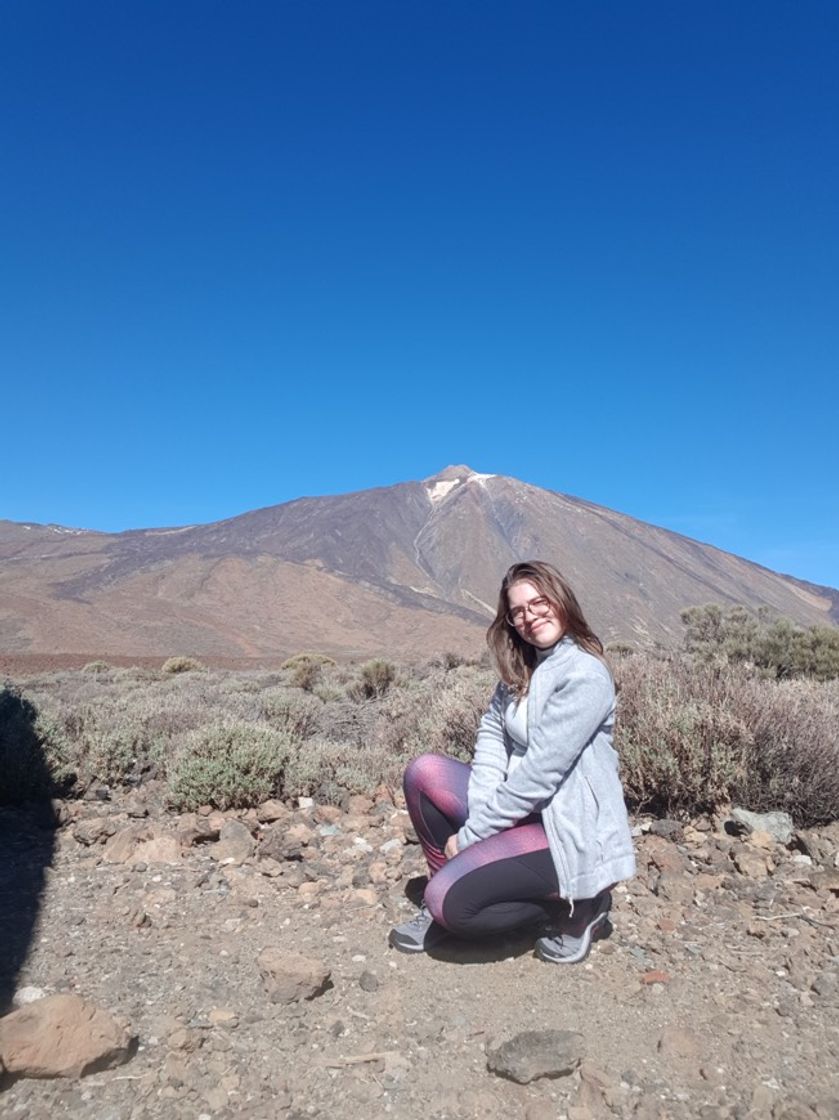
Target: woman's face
[(534, 617)]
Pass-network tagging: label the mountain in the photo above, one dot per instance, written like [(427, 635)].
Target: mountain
[(409, 570)]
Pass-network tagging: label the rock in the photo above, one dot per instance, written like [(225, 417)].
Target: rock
[(670, 830), (533, 1054), (656, 976), (290, 977), (826, 985), (62, 1036), (368, 981), (779, 825), (752, 864), (271, 811), (678, 888), (825, 881), (235, 843), (193, 829), (679, 1043), (26, 995), (664, 855), (160, 849), (93, 830), (142, 843)]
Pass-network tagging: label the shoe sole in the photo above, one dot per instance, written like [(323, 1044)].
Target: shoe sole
[(589, 936)]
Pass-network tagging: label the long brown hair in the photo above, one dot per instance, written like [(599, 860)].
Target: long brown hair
[(516, 659)]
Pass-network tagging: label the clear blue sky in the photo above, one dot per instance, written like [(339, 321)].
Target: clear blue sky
[(260, 250)]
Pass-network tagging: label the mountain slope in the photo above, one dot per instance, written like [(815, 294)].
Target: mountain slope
[(410, 569)]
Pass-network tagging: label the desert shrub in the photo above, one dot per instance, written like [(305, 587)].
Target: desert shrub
[(692, 737), (329, 769), (307, 669), (32, 765), (306, 674), (181, 665), (375, 679), (229, 765), (775, 647), (793, 761), (681, 746), (96, 667), (437, 713), (289, 710)]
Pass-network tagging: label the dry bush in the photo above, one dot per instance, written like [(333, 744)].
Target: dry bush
[(793, 762), (681, 747), (438, 713), (180, 665), (693, 736), (375, 678)]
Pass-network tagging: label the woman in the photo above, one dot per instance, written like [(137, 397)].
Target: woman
[(539, 816)]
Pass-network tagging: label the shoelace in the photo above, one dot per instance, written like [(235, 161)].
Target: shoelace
[(422, 918)]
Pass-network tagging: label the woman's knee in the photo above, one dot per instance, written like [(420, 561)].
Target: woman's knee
[(417, 767), (427, 771)]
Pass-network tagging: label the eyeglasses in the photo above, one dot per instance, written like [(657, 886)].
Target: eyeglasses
[(540, 607)]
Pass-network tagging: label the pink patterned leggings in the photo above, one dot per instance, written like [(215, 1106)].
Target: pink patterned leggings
[(492, 886)]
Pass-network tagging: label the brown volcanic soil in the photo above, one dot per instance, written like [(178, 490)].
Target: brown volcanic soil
[(412, 569), (716, 995)]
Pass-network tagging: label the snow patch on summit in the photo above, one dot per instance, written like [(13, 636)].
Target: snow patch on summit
[(442, 485), (438, 490)]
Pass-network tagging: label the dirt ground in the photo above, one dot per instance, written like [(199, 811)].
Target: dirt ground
[(715, 995)]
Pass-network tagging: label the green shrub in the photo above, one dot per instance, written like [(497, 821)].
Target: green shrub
[(288, 710), (328, 770), (181, 665), (96, 667), (775, 647), (228, 765)]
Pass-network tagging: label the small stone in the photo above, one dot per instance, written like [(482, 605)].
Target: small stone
[(533, 1054), (290, 977), (676, 1042), (270, 811), (223, 1017), (656, 976), (368, 981), (26, 995)]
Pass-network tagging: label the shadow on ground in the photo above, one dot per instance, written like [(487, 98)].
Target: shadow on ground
[(27, 835)]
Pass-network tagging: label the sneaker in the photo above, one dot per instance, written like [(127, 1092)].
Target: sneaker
[(572, 942), (418, 935)]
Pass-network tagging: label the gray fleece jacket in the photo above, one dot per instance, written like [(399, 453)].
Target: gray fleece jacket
[(569, 773)]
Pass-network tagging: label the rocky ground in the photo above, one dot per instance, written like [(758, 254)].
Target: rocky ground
[(245, 958)]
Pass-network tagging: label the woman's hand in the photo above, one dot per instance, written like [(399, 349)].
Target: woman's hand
[(450, 850)]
